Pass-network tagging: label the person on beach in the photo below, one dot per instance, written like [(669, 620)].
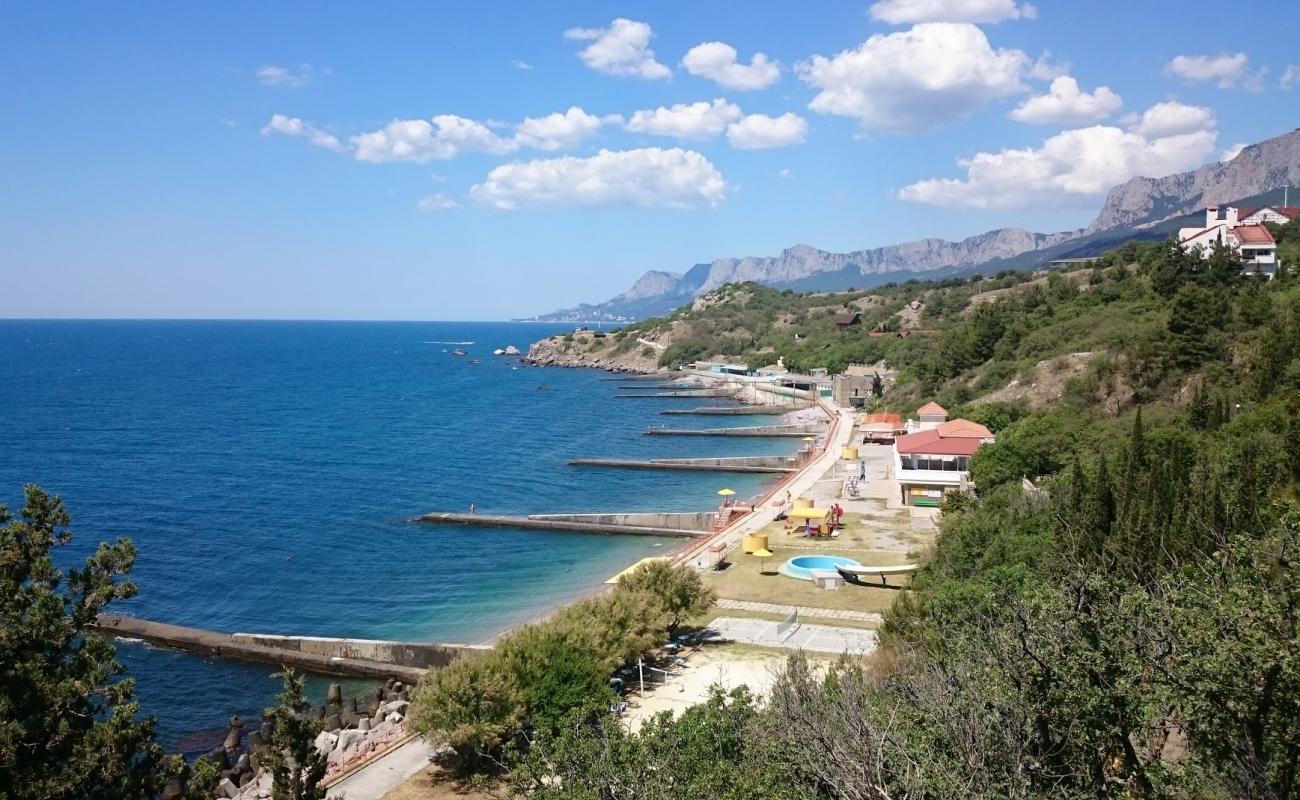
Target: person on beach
[(472, 508), (862, 470)]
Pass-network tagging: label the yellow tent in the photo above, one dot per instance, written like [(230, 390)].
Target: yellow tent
[(818, 514)]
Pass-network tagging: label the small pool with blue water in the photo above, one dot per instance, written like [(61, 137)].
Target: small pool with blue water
[(802, 567)]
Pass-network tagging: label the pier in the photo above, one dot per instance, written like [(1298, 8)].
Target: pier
[(680, 393), (790, 431), (367, 658), (738, 410), (734, 464), (684, 526)]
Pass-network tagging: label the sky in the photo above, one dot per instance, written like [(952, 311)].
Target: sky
[(490, 160)]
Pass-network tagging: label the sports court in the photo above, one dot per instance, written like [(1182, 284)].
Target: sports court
[(792, 634)]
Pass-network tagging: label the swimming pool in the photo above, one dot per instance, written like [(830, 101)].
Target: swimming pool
[(801, 567)]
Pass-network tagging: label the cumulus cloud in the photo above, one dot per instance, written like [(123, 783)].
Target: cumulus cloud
[(1064, 104), (915, 80), (621, 49), (1290, 76), (560, 131), (292, 77), (520, 64), (648, 176), (899, 12), (1232, 152), (1047, 68), (761, 132), (1171, 118), (717, 62), (1226, 70), (437, 202), (702, 120), (1072, 166), (293, 126), (422, 140)]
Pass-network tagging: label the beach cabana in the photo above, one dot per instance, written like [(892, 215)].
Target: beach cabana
[(818, 518)]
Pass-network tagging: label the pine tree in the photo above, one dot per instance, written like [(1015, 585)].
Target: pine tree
[(290, 755)]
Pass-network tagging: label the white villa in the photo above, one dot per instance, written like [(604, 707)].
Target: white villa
[(934, 457), (1242, 230)]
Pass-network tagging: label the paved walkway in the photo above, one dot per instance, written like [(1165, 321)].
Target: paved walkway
[(804, 611), (378, 778), (813, 638)]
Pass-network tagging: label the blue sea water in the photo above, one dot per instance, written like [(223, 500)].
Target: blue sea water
[(267, 472)]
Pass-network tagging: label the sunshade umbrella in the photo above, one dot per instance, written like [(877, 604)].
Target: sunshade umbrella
[(763, 554), (726, 492)]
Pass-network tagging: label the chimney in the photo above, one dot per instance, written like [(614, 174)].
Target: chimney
[(1231, 217), (1211, 216)]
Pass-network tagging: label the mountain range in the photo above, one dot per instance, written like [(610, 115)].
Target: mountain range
[(1141, 208)]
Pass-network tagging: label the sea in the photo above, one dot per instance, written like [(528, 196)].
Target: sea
[(268, 472)]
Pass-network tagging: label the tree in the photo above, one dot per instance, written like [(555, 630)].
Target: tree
[(290, 755), (555, 674), (68, 726), (680, 590), (1195, 316)]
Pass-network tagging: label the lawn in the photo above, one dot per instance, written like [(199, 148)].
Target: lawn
[(744, 581)]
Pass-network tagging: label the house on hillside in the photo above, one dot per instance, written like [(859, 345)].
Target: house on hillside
[(928, 416), (1252, 240), (881, 428), (1278, 214), (847, 319), (851, 391), (936, 460)]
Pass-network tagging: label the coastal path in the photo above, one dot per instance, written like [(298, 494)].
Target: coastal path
[(807, 611), (798, 484), (385, 773)]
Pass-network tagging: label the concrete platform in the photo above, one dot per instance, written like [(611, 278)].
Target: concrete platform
[(812, 638)]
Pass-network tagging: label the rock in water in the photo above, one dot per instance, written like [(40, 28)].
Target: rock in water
[(334, 695)]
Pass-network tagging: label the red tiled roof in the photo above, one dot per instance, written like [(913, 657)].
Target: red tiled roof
[(963, 429), (1290, 212), (932, 408), (933, 443), (1253, 234), (883, 421)]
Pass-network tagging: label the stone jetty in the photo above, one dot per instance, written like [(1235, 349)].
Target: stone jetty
[(732, 464), (765, 410), (680, 393), (790, 431)]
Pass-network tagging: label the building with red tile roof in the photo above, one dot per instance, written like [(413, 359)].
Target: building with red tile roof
[(1247, 235), (936, 460)]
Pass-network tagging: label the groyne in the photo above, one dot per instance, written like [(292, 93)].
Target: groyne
[(329, 656), (681, 393), (737, 410), (734, 464), (791, 431), (558, 522)]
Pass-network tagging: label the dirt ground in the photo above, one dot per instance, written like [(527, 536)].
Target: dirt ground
[(433, 783)]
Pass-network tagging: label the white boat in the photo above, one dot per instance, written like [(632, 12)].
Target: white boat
[(856, 574)]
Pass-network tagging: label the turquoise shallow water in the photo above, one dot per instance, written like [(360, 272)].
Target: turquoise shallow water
[(267, 470)]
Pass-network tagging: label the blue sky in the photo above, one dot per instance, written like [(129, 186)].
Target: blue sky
[(400, 160)]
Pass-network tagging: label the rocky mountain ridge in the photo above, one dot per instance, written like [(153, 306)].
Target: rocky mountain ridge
[(1130, 209)]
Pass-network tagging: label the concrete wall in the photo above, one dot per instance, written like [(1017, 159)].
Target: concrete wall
[(405, 654), (685, 520)]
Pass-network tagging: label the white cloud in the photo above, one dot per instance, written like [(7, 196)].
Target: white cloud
[(1232, 152), (934, 74), (702, 120), (292, 126), (1290, 76), (760, 132), (1226, 70), (786, 173), (560, 131), (437, 202), (717, 62), (1072, 166), (1047, 68), (899, 12), (648, 176), (621, 49), (1171, 118), (1064, 104), (420, 140), (520, 64), (295, 77)]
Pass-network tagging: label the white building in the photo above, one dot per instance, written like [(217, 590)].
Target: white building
[(1247, 235), (1258, 216)]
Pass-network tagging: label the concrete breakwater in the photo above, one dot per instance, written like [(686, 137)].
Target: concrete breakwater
[(791, 431), (680, 393), (733, 464), (645, 524), (368, 658), (739, 411)]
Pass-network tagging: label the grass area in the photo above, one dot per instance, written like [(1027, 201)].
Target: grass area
[(805, 615), (744, 581), (860, 532)]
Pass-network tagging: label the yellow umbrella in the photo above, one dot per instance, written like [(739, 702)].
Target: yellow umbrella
[(809, 439), (763, 554), (726, 492)]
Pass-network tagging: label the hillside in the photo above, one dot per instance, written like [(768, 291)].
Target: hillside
[(1139, 208)]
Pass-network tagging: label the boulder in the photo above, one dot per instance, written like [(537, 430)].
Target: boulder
[(173, 789), (233, 737), (241, 764), (395, 707), (325, 741), (403, 695), (350, 738), (255, 740), (394, 718), (218, 758), (334, 723), (334, 695), (227, 788)]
